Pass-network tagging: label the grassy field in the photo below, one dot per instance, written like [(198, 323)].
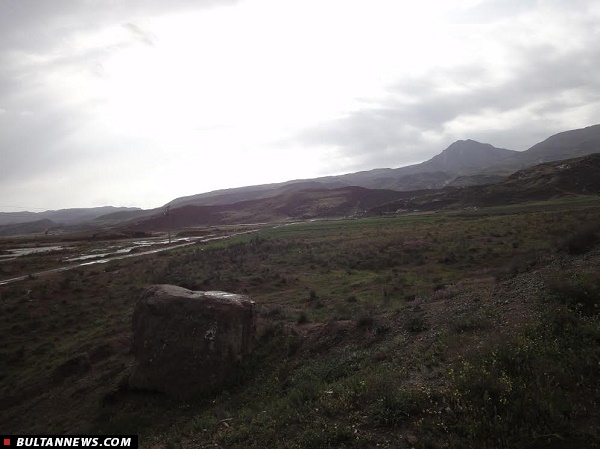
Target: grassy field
[(432, 330)]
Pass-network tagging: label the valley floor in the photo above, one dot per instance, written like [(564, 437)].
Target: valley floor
[(441, 330)]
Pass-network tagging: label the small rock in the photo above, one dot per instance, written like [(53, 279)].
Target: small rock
[(411, 439)]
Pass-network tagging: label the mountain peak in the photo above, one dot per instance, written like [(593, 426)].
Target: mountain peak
[(468, 144), (466, 155)]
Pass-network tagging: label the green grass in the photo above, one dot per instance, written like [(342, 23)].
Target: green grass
[(378, 260), (382, 344), (535, 390)]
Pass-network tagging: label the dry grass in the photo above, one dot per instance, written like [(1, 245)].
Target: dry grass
[(362, 322)]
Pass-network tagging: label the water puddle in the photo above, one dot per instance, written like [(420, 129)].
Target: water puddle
[(125, 252), (17, 252), (117, 250)]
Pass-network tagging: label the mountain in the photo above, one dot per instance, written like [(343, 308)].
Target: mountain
[(116, 218), (31, 227), (62, 216), (230, 196), (568, 144), (571, 177), (463, 163), (467, 156), (462, 157), (306, 204)]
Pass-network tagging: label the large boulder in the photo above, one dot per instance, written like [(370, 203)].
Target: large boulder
[(189, 342)]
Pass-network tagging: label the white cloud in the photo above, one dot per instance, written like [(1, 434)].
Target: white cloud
[(146, 104)]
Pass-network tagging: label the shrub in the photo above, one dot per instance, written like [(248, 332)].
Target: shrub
[(468, 324), (382, 330), (530, 391), (326, 438), (302, 318), (416, 323), (579, 291), (581, 241), (274, 312), (365, 320), (394, 408)]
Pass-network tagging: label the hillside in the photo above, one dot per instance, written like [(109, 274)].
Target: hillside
[(30, 227), (551, 180), (467, 156), (230, 196), (432, 331), (302, 205), (460, 158), (62, 216), (571, 177), (463, 163), (576, 143)]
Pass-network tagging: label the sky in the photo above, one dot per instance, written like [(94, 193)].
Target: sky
[(135, 103)]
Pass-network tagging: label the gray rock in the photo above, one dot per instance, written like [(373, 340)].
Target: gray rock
[(189, 342)]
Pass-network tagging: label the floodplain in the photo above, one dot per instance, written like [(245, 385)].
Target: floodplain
[(471, 328)]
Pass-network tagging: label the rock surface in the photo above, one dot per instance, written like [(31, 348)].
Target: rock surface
[(189, 342)]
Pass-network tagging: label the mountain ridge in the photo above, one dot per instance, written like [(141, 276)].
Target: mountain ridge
[(463, 163), (557, 179), (71, 216)]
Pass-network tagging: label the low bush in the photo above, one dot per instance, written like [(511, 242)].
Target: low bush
[(394, 408), (580, 291), (302, 318), (581, 240), (365, 320), (533, 391), (416, 323)]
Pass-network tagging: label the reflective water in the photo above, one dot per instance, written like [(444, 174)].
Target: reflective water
[(122, 254), (101, 253), (16, 252)]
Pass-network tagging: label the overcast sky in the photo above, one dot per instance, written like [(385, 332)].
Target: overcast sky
[(135, 103)]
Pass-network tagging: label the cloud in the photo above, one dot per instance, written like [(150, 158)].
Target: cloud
[(50, 54), (492, 11), (47, 20), (142, 36), (124, 93), (536, 89)]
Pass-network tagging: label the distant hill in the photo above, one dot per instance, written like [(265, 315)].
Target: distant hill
[(32, 227), (579, 176), (230, 196), (62, 216), (435, 173), (568, 144), (467, 156), (116, 218), (463, 163), (571, 177), (306, 204), (444, 180)]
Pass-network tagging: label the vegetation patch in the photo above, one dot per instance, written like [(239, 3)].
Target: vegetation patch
[(395, 331), (539, 389)]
